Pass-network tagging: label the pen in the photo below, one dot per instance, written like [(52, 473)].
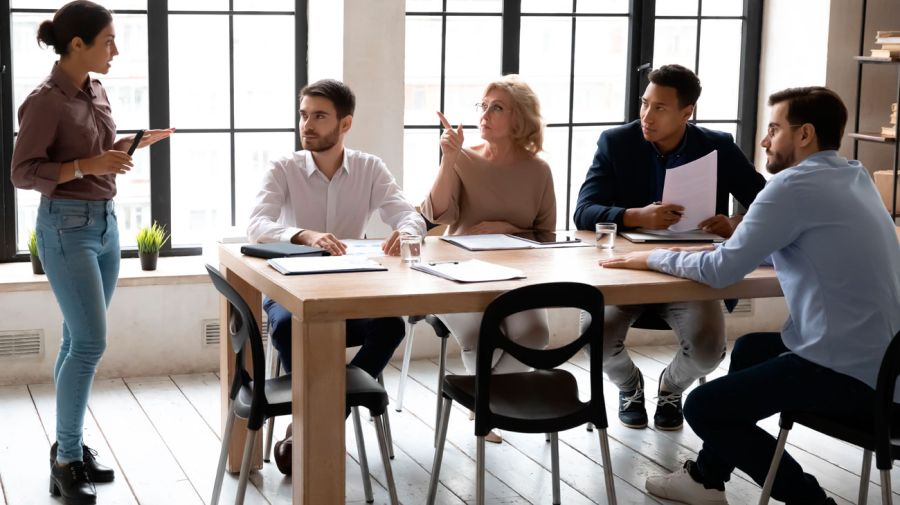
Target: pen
[(435, 263)]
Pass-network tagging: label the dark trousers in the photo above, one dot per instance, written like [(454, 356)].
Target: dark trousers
[(379, 337), (765, 379)]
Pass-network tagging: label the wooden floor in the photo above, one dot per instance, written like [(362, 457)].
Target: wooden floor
[(162, 436)]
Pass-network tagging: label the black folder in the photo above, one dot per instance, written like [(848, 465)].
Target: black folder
[(281, 250)]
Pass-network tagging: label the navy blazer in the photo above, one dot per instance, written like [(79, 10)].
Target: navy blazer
[(623, 173)]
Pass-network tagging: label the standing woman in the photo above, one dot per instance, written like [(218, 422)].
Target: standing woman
[(67, 150), (499, 186)]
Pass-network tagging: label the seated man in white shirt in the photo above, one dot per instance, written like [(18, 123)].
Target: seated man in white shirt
[(326, 193)]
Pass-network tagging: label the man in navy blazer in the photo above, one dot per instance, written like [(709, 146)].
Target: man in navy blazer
[(625, 186)]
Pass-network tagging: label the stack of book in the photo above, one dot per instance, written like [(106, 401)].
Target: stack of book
[(889, 45), (890, 132)]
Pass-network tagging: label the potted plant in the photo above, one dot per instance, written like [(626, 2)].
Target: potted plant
[(36, 265), (149, 241)]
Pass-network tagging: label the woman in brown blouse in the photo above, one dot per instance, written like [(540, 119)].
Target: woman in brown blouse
[(499, 186), (67, 150)]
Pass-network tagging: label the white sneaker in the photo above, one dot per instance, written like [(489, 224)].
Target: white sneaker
[(679, 486)]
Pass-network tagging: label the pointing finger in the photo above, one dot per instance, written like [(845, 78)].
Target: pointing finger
[(444, 121)]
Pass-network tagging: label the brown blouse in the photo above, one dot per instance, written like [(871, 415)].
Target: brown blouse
[(59, 123), (520, 193)]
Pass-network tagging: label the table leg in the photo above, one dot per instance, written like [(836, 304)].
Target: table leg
[(319, 390)]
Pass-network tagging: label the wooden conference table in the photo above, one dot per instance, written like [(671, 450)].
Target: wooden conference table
[(320, 305)]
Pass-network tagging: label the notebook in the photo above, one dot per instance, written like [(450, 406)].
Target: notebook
[(670, 236), (308, 265), (469, 271), (281, 250)]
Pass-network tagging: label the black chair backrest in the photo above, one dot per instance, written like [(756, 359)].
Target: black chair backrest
[(884, 403), (537, 296), (244, 331)]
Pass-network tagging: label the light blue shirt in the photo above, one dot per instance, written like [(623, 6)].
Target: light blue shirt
[(835, 252)]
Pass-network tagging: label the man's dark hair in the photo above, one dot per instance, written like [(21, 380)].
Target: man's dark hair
[(339, 93), (685, 82), (818, 106)]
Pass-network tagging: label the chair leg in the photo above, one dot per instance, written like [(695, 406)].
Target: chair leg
[(382, 430), (547, 437), (274, 371), (607, 468), (245, 468), (442, 372), (886, 497), (439, 451), (387, 424), (702, 380), (223, 457), (773, 467), (590, 426), (404, 371), (554, 465), (267, 448), (479, 478), (864, 476), (363, 460)]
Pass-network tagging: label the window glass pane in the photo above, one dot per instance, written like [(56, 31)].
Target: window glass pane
[(722, 127), (474, 6), (268, 5), (133, 199), (422, 82), (112, 5), (723, 8), (198, 5), (545, 64), (603, 6), (127, 82), (545, 6), (584, 144), (675, 41), (201, 186), (720, 68), (199, 89), (31, 63), (264, 94), (601, 50), (424, 5), (556, 154), (27, 202), (253, 153), (677, 7), (420, 162), (471, 63)]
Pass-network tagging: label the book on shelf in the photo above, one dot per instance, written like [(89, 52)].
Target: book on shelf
[(890, 47), (889, 132), (887, 33), (884, 53)]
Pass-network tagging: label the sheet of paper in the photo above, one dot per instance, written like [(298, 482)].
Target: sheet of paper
[(470, 271), (488, 242), (324, 264), (367, 248), (693, 186)]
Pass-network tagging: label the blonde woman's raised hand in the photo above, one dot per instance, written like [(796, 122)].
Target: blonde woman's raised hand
[(452, 138)]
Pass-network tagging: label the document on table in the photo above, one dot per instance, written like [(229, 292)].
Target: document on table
[(502, 242), (469, 271), (693, 186), (324, 264), (364, 247)]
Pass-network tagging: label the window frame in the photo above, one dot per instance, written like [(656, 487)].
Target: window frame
[(157, 13)]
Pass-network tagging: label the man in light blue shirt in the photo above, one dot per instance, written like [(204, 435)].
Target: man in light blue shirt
[(821, 223)]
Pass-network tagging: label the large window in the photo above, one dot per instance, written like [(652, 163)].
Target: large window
[(223, 72), (587, 61)]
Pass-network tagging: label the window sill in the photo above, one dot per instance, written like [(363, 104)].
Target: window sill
[(170, 270)]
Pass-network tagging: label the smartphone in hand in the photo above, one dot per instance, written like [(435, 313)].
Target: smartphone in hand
[(135, 142)]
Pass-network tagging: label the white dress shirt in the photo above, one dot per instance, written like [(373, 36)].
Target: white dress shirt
[(296, 196)]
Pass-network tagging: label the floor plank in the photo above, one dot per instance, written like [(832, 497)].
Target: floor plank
[(24, 449)]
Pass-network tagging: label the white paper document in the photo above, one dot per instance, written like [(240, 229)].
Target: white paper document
[(693, 186), (502, 242), (367, 248), (469, 271), (299, 265)]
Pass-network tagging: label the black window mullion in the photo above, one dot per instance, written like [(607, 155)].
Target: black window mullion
[(231, 103), (569, 127), (748, 87), (7, 191), (641, 30), (511, 36), (158, 102), (443, 83), (301, 73)]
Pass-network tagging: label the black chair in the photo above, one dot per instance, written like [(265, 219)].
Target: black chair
[(878, 437), (542, 401), (257, 401), (441, 331)]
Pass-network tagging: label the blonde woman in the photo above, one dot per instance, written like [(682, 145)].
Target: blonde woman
[(498, 186)]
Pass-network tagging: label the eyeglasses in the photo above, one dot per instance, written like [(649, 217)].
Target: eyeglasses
[(774, 129), (483, 107)]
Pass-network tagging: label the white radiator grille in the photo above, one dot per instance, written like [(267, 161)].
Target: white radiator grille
[(14, 344), (211, 334)]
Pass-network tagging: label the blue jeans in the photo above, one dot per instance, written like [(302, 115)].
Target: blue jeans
[(379, 337), (765, 378), (78, 243)]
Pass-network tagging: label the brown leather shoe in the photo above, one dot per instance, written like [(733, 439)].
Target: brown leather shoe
[(282, 451)]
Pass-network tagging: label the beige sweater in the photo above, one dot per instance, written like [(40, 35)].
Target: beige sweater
[(520, 193)]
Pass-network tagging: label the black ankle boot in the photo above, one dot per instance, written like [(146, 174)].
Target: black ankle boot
[(96, 471), (71, 481)]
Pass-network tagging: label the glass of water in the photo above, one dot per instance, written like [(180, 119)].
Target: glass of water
[(606, 236), (410, 248)]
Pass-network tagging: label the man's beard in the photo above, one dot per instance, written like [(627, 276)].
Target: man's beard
[(779, 163), (322, 143)]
